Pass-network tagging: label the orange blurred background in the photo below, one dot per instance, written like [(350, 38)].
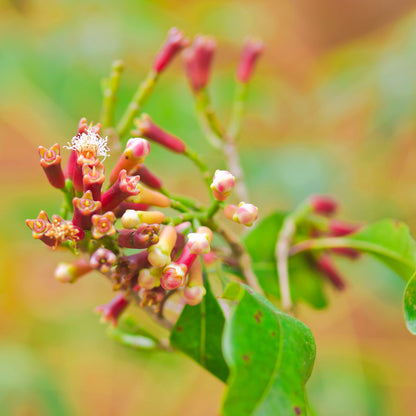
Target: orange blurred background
[(331, 109)]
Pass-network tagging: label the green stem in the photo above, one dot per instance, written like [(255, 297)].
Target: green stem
[(142, 94), (238, 110), (67, 206), (184, 200), (110, 88), (200, 164)]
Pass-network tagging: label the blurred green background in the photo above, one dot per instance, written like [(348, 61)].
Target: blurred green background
[(331, 109)]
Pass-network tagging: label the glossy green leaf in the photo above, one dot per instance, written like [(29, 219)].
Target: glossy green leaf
[(198, 333), (305, 282), (270, 355), (410, 304)]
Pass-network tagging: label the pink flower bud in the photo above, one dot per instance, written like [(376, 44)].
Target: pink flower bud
[(328, 269), (40, 226), (150, 197), (251, 51), (103, 225), (147, 128), (149, 278), (124, 206), (172, 46), (84, 208), (136, 151), (198, 60), (132, 219), (112, 310), (143, 237), (323, 205), (222, 184), (193, 295), (339, 228), (50, 160), (71, 272), (173, 276), (93, 179), (245, 214), (198, 243), (124, 187), (210, 258), (146, 176), (160, 253), (102, 260)]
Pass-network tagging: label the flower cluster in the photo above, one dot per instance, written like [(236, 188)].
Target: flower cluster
[(121, 229)]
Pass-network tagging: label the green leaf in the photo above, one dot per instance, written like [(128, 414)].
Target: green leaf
[(305, 281), (410, 304), (390, 242), (270, 355), (198, 333)]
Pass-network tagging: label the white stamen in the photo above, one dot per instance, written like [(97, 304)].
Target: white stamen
[(90, 142)]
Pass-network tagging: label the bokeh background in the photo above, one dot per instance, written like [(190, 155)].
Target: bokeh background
[(331, 109)]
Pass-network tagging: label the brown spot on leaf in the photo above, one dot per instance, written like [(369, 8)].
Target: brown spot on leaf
[(203, 315), (179, 328), (273, 334), (297, 410), (257, 316), (246, 358)]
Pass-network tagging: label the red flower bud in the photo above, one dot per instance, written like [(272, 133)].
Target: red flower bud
[(323, 205), (84, 208), (102, 260), (147, 128), (172, 46), (40, 226), (124, 187), (112, 310), (173, 276), (93, 179), (50, 160), (198, 60), (328, 269), (103, 225), (339, 228), (145, 236), (146, 176), (252, 49)]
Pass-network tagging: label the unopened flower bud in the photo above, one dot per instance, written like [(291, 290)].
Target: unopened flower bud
[(84, 208), (252, 49), (149, 197), (147, 128), (143, 237), (71, 272), (173, 276), (50, 160), (194, 290), (245, 214), (222, 184), (172, 46), (149, 278), (146, 176), (339, 228), (136, 151), (323, 205), (198, 243), (198, 61), (132, 219), (124, 206), (112, 310), (160, 253), (93, 179), (102, 260), (124, 187), (328, 269), (103, 225)]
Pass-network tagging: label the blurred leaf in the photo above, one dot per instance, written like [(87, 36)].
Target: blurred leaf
[(198, 333), (410, 304), (390, 242), (305, 282), (270, 355)]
